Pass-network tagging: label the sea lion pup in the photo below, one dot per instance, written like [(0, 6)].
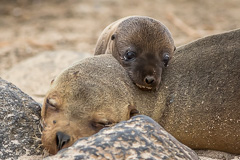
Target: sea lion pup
[(198, 101), (142, 45)]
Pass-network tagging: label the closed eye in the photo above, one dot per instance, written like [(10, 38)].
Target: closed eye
[(101, 125)]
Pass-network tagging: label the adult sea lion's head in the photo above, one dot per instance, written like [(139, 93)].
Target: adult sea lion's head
[(82, 100)]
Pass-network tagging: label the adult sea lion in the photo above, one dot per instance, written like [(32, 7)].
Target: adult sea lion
[(198, 101), (142, 45)]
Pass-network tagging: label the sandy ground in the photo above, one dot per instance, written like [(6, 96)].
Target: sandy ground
[(29, 28)]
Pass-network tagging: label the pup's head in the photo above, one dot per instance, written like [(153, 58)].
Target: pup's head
[(84, 99), (143, 46)]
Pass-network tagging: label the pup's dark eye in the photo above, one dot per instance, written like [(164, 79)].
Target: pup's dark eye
[(129, 55), (166, 58)]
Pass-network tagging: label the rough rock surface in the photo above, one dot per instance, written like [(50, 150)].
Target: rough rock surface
[(138, 138), (19, 121)]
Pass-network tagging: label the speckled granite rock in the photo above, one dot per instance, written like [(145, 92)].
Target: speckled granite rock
[(19, 120), (138, 138)]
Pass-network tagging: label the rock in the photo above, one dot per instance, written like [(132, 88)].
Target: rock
[(33, 76), (138, 138), (19, 122)]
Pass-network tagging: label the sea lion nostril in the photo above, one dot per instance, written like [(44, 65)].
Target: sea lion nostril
[(149, 79), (61, 139)]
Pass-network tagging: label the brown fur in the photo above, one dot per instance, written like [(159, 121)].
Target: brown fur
[(148, 39), (198, 101)]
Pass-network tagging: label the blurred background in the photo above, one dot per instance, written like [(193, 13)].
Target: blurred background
[(40, 37)]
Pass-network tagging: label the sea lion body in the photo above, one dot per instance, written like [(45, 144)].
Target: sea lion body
[(198, 101), (142, 45), (203, 102)]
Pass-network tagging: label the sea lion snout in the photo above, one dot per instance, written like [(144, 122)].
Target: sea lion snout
[(62, 139), (145, 74), (149, 80)]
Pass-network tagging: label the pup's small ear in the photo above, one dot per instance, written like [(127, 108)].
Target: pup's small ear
[(52, 81), (113, 37)]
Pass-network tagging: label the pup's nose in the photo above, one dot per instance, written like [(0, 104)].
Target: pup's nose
[(149, 79), (62, 139)]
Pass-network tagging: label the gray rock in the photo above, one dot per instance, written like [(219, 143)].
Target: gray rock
[(19, 121), (138, 138)]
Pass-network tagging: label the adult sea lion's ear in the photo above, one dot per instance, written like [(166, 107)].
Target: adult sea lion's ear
[(51, 102), (113, 36)]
